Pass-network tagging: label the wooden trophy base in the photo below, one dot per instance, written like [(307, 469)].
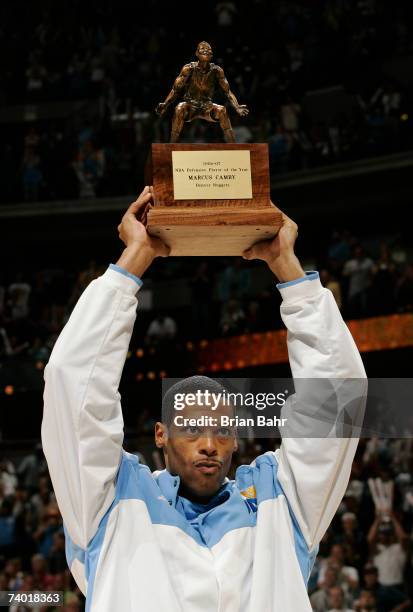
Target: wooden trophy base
[(211, 227)]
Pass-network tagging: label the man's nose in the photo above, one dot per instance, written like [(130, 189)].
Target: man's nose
[(207, 445)]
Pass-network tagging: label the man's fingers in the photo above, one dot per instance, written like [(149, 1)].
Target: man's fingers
[(161, 249), (258, 250), (142, 200)]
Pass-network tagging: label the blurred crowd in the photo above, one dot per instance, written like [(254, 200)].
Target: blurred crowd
[(32, 540), (325, 82), (364, 561), (225, 297)]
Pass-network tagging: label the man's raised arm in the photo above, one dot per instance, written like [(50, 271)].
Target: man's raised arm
[(82, 429), (313, 470), (177, 88)]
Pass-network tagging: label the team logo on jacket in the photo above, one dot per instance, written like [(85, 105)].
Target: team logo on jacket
[(250, 498)]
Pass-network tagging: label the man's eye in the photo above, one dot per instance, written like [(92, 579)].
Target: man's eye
[(224, 432), (191, 430)]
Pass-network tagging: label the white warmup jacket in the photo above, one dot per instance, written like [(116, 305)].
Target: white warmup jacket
[(131, 544)]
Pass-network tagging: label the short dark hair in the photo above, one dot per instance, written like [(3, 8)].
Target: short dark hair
[(187, 385)]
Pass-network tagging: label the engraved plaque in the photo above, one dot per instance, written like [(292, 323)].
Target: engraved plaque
[(211, 175)]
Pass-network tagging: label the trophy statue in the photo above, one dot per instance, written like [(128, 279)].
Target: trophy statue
[(197, 82), (209, 199)]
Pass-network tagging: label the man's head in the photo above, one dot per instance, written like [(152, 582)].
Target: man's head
[(349, 522), (198, 452), (371, 576), (204, 52), (336, 597), (385, 533), (330, 577), (367, 601), (337, 553)]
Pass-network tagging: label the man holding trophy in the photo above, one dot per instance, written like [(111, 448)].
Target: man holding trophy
[(188, 539)]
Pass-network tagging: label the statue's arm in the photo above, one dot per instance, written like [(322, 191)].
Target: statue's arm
[(240, 108), (177, 87)]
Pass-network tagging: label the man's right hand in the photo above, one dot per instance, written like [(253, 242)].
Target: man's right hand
[(141, 248), (160, 108)]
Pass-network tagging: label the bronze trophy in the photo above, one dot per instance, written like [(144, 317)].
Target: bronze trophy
[(209, 199)]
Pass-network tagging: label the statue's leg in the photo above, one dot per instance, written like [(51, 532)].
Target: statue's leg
[(181, 112), (219, 113)]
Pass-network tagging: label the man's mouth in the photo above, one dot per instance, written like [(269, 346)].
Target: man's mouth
[(208, 467)]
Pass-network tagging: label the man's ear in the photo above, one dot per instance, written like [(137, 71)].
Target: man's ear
[(161, 434)]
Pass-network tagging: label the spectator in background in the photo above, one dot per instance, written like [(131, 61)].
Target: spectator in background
[(352, 539), (232, 319), (31, 468), (336, 600), (389, 599), (366, 602), (253, 320), (57, 555), (162, 330), (18, 294), (339, 249), (347, 576), (290, 116), (36, 76), (331, 283), (320, 598), (358, 270), (42, 579), (43, 498), (404, 290), (234, 281), (388, 543), (89, 168), (279, 146), (8, 479), (50, 524), (7, 528)]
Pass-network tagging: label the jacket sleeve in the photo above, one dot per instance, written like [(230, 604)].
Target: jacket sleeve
[(82, 429), (314, 467)]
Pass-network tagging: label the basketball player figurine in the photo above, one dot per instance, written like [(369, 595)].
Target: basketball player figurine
[(197, 82)]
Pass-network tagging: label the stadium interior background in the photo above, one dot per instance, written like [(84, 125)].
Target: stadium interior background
[(330, 89)]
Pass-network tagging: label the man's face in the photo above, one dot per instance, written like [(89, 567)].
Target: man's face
[(330, 577), (370, 578), (367, 600), (199, 454), (204, 53), (336, 597)]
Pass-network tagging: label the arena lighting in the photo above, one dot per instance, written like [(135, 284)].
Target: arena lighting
[(9, 389), (129, 355), (404, 117), (39, 365), (162, 374), (151, 375), (372, 334), (140, 352), (139, 376), (203, 343), (228, 365), (190, 346)]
